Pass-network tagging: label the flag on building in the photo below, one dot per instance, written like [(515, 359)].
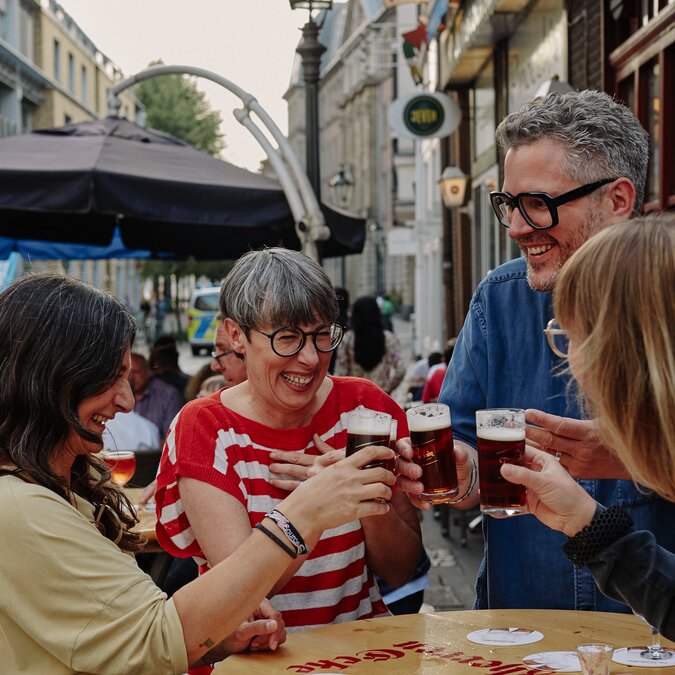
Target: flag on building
[(414, 62), (435, 16), (417, 37)]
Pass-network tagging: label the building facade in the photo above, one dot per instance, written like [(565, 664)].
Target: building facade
[(362, 72)]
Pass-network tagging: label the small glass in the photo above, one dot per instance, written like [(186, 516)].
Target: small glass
[(122, 465), (501, 439), (594, 659)]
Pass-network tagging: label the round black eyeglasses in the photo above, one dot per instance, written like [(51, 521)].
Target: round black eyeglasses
[(222, 355), (289, 341), (539, 209)]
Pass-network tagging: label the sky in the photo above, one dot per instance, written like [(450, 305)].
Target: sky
[(250, 42)]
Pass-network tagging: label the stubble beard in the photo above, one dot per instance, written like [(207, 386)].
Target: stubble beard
[(545, 283)]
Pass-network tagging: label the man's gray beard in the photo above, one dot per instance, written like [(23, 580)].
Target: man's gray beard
[(593, 223)]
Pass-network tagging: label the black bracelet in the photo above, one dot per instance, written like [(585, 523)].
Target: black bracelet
[(276, 540), (607, 526), (287, 527)]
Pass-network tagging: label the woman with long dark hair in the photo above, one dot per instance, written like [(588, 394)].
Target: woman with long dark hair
[(368, 350), (73, 598)]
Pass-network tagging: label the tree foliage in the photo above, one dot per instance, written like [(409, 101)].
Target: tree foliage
[(214, 270), (173, 104)]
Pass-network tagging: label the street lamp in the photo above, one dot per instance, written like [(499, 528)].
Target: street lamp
[(453, 184), (342, 185), (310, 50)]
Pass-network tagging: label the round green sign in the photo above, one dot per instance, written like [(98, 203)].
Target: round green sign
[(423, 115)]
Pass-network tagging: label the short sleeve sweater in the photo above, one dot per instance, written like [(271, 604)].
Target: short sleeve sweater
[(210, 442)]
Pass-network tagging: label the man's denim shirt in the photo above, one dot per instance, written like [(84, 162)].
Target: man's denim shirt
[(502, 360)]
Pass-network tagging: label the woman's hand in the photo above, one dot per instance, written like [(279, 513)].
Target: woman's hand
[(553, 496), (299, 466), (409, 474), (341, 492), (264, 630)]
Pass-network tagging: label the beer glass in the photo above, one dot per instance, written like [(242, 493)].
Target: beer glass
[(368, 427), (431, 438), (501, 440), (122, 465)]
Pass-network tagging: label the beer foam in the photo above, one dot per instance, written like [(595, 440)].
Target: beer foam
[(418, 422), (505, 435), (375, 427)]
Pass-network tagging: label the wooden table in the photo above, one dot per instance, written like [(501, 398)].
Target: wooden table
[(430, 644)]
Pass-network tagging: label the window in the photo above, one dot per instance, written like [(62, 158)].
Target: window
[(84, 85), (57, 60), (71, 72), (644, 64), (67, 119)]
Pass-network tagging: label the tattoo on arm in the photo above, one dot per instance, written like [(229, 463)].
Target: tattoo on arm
[(208, 643)]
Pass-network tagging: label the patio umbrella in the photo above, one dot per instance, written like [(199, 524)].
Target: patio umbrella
[(108, 183)]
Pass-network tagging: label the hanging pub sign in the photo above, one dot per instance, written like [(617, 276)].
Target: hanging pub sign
[(426, 115)]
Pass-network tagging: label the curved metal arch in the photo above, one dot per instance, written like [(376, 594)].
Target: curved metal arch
[(309, 222)]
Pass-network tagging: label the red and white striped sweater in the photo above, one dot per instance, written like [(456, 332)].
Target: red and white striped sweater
[(210, 442)]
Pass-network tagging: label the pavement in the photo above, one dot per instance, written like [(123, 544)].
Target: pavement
[(454, 563)]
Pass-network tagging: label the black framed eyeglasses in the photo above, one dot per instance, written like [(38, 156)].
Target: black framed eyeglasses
[(539, 209), (217, 357), (289, 341), (557, 339)]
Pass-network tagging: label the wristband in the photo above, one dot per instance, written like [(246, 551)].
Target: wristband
[(289, 530), (276, 540), (606, 527), (472, 485)]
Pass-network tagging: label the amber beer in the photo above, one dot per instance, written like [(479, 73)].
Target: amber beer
[(368, 427), (431, 438), (122, 465), (501, 440)]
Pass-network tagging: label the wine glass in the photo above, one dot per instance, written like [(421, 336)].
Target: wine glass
[(122, 465), (654, 651)]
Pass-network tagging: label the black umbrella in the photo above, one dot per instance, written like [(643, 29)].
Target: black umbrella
[(86, 182)]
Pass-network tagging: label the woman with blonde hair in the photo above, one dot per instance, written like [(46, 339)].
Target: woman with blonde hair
[(615, 303)]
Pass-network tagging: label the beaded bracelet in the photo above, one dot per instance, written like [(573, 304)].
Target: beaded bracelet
[(472, 485), (289, 530), (276, 540), (607, 526)]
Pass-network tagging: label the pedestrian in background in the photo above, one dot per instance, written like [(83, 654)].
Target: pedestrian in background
[(368, 350)]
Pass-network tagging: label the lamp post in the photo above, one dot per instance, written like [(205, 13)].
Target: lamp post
[(342, 184), (310, 50)]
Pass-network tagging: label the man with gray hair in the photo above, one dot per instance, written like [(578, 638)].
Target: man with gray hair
[(575, 163)]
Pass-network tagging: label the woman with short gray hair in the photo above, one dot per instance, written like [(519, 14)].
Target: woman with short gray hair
[(231, 457)]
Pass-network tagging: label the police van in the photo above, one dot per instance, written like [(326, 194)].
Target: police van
[(202, 321)]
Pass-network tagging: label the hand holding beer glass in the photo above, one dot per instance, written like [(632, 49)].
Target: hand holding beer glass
[(431, 438), (501, 439)]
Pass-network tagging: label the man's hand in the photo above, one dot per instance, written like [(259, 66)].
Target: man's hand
[(575, 443), (552, 495), (409, 474), (299, 466)]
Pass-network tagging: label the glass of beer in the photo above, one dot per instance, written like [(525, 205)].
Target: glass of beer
[(368, 427), (431, 438), (501, 440), (122, 465)]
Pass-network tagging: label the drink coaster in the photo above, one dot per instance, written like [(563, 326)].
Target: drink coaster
[(505, 637), (630, 656), (559, 662)]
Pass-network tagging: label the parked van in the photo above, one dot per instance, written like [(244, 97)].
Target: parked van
[(202, 322)]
